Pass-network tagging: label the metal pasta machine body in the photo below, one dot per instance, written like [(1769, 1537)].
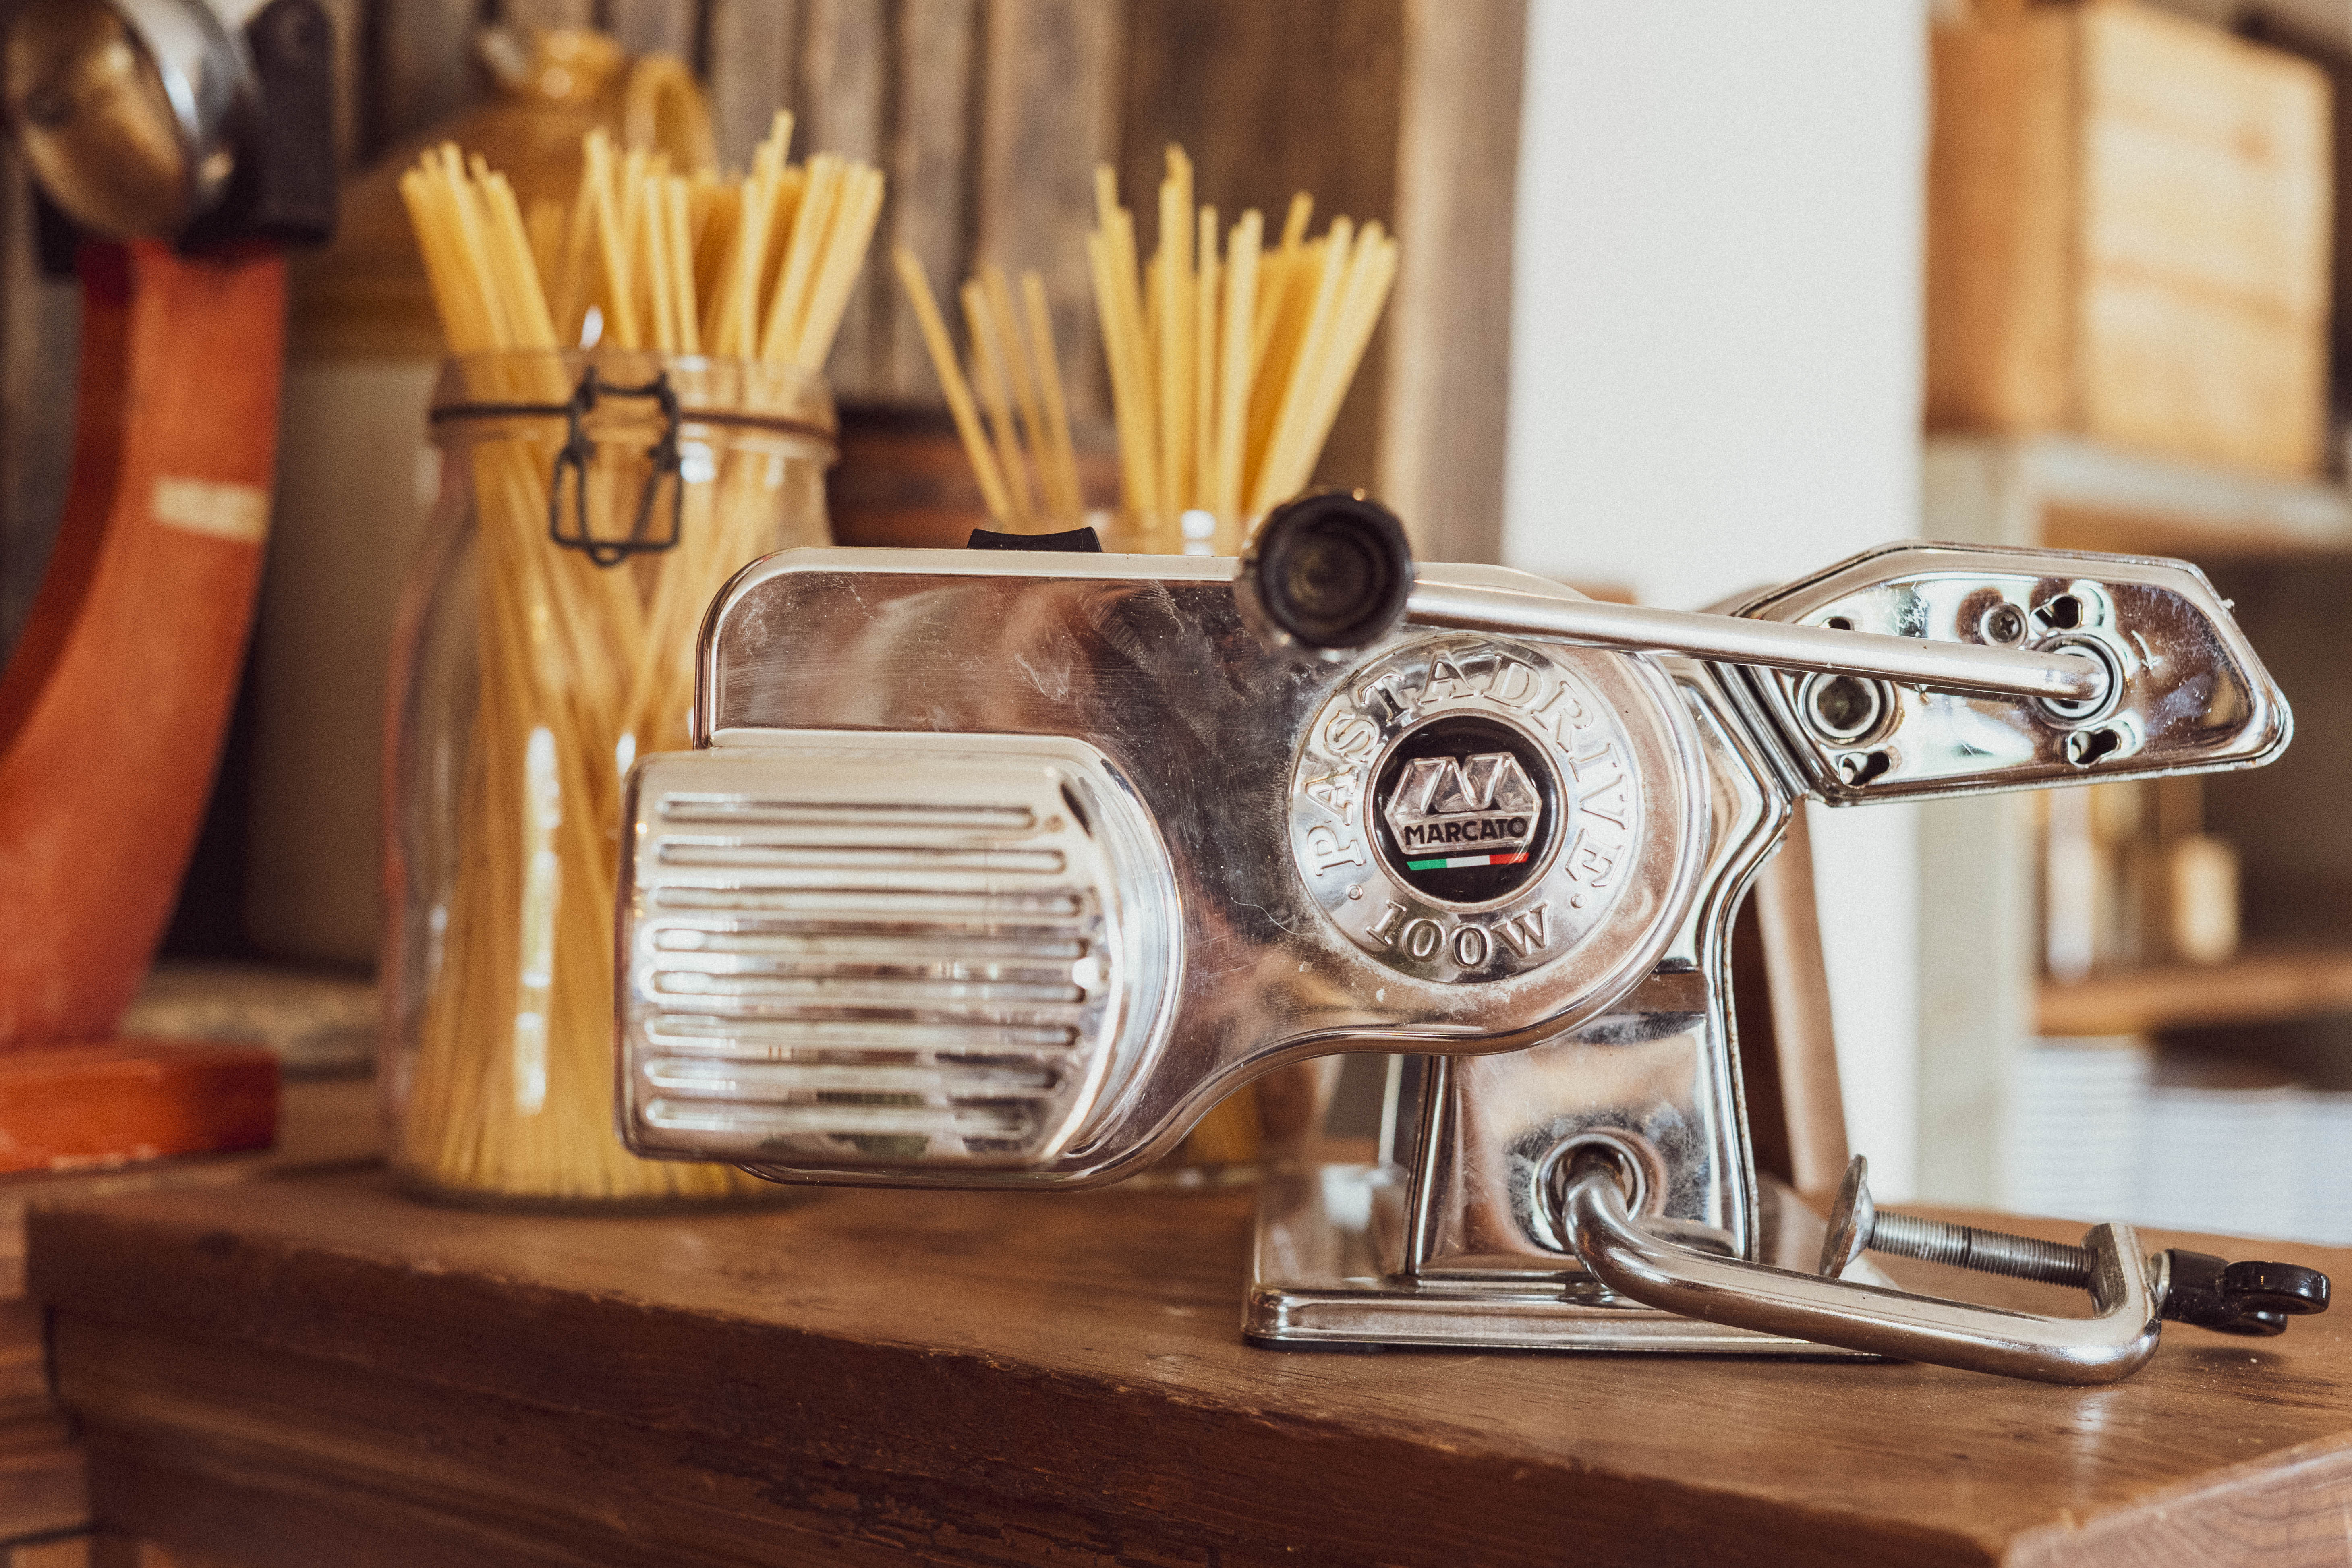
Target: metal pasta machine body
[(999, 868)]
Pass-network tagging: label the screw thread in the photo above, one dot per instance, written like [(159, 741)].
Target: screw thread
[(1986, 1251)]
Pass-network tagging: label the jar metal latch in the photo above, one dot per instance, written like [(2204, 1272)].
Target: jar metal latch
[(578, 447)]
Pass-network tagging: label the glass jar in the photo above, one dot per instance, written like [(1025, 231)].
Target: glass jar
[(591, 505)]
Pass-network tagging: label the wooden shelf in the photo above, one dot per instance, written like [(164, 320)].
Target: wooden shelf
[(2075, 494), (2253, 988)]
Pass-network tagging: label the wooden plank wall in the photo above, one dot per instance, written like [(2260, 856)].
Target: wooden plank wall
[(990, 116), (941, 93), (1226, 81)]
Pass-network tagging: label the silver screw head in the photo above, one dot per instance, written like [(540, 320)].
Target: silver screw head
[(1851, 1218)]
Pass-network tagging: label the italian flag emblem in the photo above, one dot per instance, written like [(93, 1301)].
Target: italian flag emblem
[(1453, 862)]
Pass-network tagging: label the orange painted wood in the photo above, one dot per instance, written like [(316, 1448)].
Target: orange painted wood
[(65, 1107), (112, 710)]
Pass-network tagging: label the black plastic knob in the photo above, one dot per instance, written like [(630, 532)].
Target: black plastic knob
[(1330, 571), (2250, 1297), (2257, 1323), (2284, 1288)]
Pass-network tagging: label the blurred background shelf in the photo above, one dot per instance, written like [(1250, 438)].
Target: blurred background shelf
[(2137, 289), (2281, 547), (2256, 987), (2082, 494)]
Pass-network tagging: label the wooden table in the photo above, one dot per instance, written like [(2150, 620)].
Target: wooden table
[(318, 1370), (44, 1503)]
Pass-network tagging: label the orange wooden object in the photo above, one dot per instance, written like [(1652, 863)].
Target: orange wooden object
[(113, 708), (75, 1107)]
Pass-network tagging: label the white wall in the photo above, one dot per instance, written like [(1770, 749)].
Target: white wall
[(1716, 371)]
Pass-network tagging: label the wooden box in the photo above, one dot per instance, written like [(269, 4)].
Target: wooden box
[(2129, 235)]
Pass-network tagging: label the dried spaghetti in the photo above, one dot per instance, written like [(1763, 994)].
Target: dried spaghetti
[(581, 667), (1228, 363), (1228, 360)]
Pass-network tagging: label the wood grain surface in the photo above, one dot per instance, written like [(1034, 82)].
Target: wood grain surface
[(1796, 992), (75, 1551), (844, 98), (2257, 987), (2130, 225), (930, 208), (420, 66), (322, 1124), (548, 12), (1442, 411), (655, 27), (1049, 86), (24, 1370), (42, 1489), (989, 116), (319, 1369), (326, 1124), (40, 318), (749, 45)]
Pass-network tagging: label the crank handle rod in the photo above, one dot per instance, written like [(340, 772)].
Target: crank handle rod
[(1692, 1284), (1943, 665), (1332, 572)]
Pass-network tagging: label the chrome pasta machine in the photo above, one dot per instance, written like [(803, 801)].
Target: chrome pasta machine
[(1001, 867)]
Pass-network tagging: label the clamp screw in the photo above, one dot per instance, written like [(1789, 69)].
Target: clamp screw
[(2189, 1287)]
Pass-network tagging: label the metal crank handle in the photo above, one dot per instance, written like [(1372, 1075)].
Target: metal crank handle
[(1334, 572), (1942, 666), (1692, 1284)]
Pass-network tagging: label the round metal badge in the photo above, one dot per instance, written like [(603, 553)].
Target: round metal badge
[(1467, 808)]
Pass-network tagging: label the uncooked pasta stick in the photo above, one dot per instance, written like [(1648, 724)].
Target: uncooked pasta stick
[(1233, 354), (1289, 461), (1204, 364), (988, 367), (844, 265), (1173, 320), (1062, 459), (1229, 358), (1003, 326), (952, 384)]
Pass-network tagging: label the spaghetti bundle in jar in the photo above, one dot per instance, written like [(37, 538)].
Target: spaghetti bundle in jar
[(594, 499)]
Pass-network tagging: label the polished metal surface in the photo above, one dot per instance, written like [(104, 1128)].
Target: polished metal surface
[(1851, 1216), (1947, 666), (1656, 1074), (925, 952), (1236, 755), (1511, 837), (1606, 821), (2188, 692), (2113, 1343), (1324, 1272), (127, 109), (2248, 1297)]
